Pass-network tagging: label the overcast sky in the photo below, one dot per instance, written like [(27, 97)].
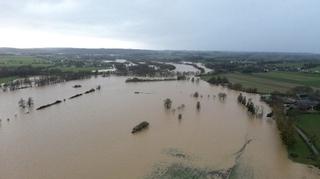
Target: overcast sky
[(233, 25)]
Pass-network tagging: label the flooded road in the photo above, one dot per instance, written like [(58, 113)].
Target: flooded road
[(90, 136)]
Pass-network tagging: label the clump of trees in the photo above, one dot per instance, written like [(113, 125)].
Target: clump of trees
[(285, 125), (225, 82), (249, 105), (242, 99), (239, 87), (25, 103), (251, 90), (181, 77), (168, 103), (30, 102), (218, 80), (236, 86), (22, 103)]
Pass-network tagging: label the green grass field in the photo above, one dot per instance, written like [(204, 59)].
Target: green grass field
[(290, 64), (316, 69), (310, 124), (274, 81), (302, 152), (16, 61)]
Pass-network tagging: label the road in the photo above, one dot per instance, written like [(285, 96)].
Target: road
[(307, 141)]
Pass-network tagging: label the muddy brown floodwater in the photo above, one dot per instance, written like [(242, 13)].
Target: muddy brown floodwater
[(90, 136)]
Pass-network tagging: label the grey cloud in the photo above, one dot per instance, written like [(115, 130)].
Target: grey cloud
[(250, 25)]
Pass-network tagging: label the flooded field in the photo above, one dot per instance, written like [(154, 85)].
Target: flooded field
[(90, 136), (184, 68), (206, 70)]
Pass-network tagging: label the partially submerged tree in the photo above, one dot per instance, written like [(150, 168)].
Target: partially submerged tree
[(222, 96), (242, 99), (196, 94), (198, 105), (251, 108), (22, 103), (30, 102), (181, 107), (167, 103)]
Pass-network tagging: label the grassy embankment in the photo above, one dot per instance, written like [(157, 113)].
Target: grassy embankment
[(282, 82)]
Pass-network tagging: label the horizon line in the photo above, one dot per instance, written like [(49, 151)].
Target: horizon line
[(177, 50)]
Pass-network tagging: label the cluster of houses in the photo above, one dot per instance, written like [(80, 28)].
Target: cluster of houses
[(302, 102)]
